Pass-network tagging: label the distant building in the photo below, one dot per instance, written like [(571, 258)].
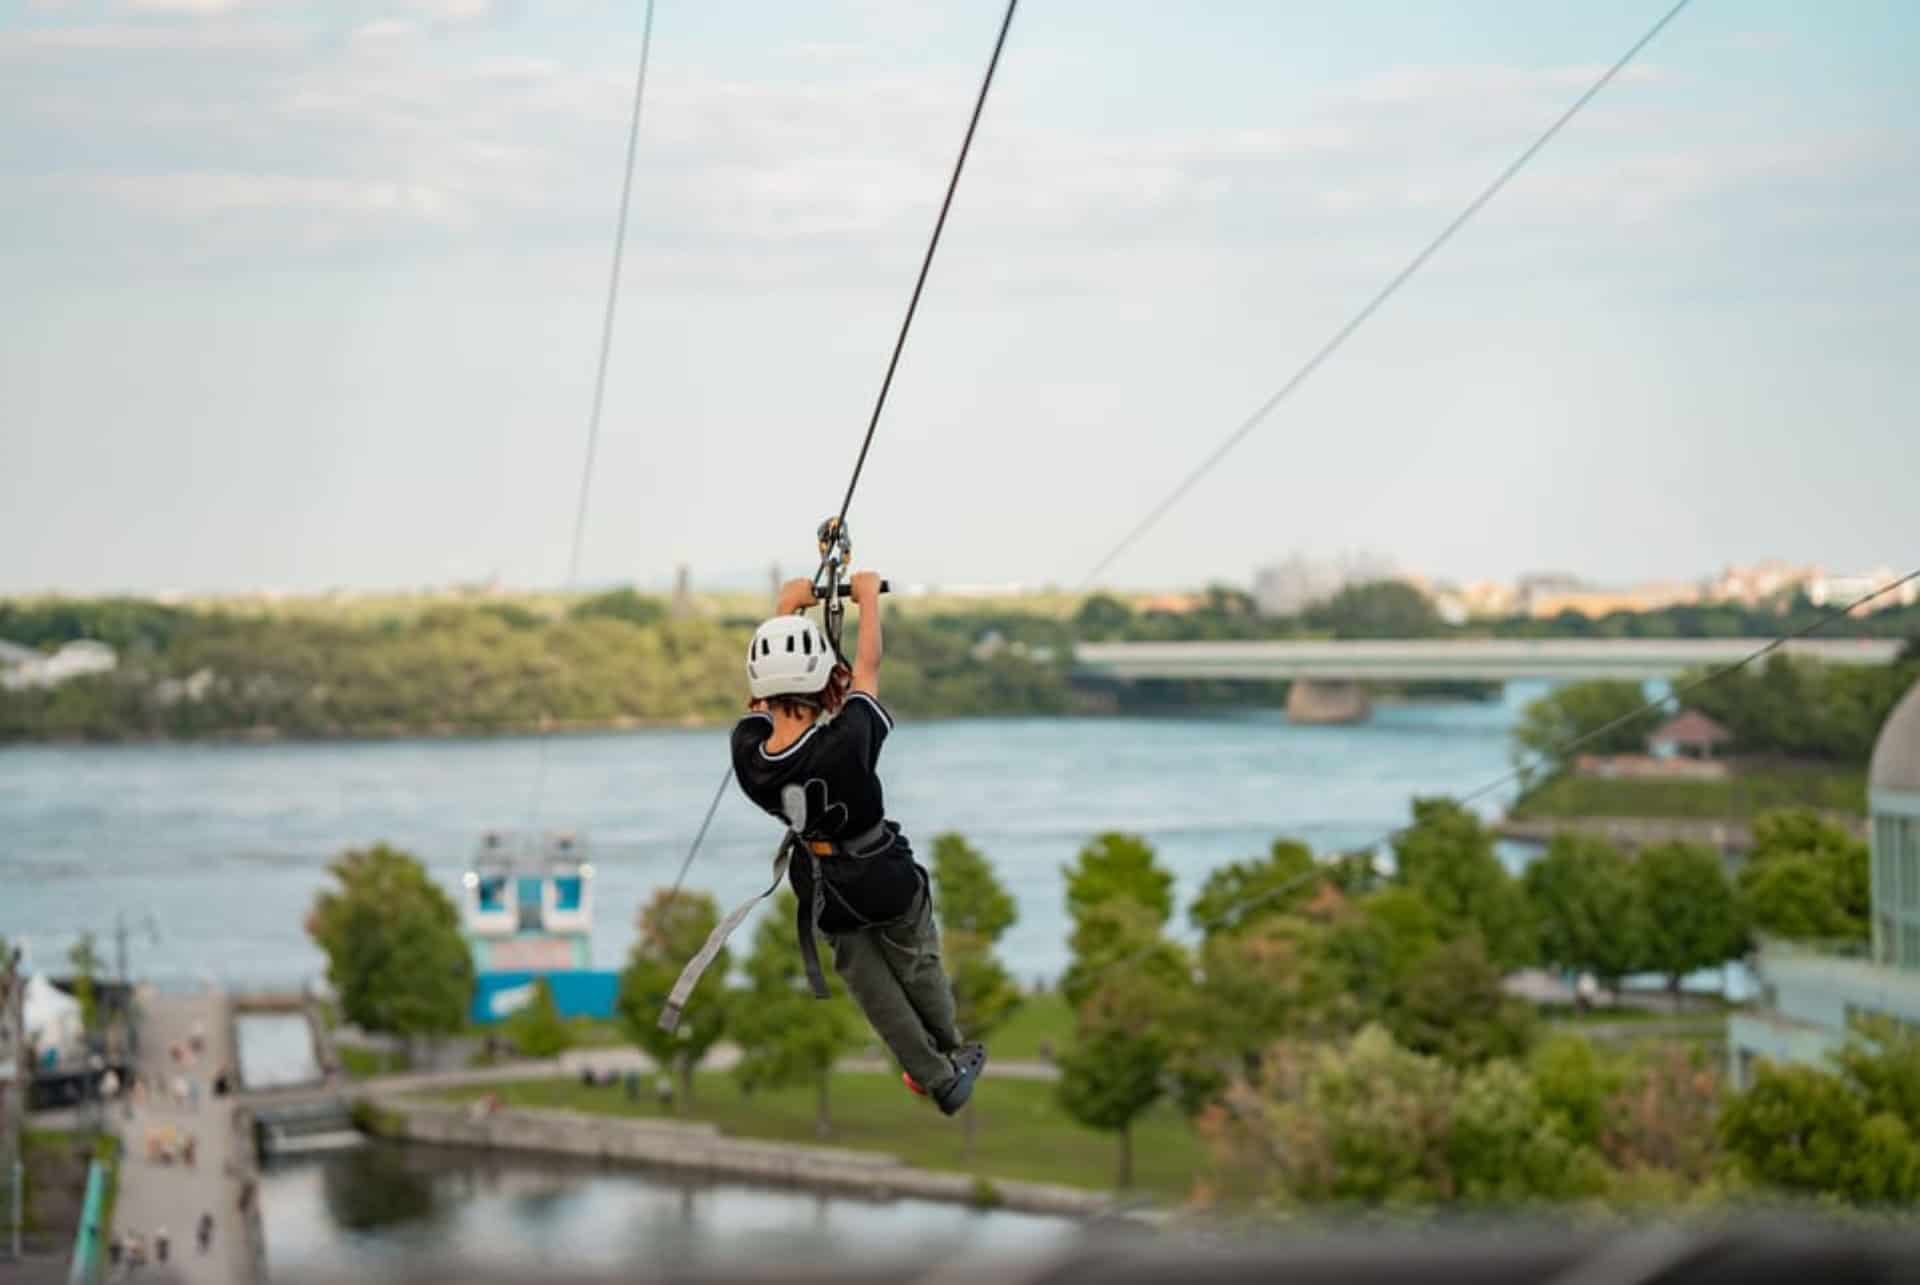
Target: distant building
[(1757, 584), (1683, 747), (1545, 603), (1825, 590), (1813, 995), (74, 660), (1290, 586), (1688, 734), (1488, 598)]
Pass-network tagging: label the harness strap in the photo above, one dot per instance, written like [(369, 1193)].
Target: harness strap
[(806, 917), (690, 975)]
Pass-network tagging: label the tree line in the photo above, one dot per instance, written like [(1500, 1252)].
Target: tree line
[(612, 659), (1336, 1031), (1785, 708)]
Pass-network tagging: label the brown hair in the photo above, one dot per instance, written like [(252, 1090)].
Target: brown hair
[(827, 700)]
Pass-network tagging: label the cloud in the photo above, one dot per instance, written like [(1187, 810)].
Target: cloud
[(381, 29), (810, 177), (452, 11), (200, 7)]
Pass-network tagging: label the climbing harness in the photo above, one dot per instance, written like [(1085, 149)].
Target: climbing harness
[(831, 590)]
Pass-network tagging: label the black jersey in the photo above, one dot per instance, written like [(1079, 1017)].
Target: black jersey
[(824, 785)]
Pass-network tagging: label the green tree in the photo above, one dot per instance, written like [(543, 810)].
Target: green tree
[(786, 1036), (1118, 866), (1360, 1123), (1575, 1081), (395, 955), (673, 927), (1113, 1071), (1274, 978), (1846, 1131), (1661, 1118), (1452, 1007), (86, 962), (1577, 710), (1505, 1147), (1235, 895), (971, 900), (1692, 917), (1806, 879), (624, 603), (1882, 1061), (1376, 948), (975, 912), (1806, 1130), (1379, 609), (1120, 936), (1588, 908), (536, 1027), (1101, 617), (1447, 856)]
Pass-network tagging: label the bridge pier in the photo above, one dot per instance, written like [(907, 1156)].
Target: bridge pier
[(1312, 701)]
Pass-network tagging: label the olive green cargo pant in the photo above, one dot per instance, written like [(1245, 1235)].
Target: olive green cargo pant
[(894, 974)]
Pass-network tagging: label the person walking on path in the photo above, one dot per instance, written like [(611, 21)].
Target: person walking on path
[(203, 1235)]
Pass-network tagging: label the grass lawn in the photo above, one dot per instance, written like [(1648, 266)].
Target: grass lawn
[(364, 1063), (1022, 1133), (1740, 798), (1568, 1015), (1040, 1019)]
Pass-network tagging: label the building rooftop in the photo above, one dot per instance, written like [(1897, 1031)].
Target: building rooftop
[(1896, 755), (1689, 727)]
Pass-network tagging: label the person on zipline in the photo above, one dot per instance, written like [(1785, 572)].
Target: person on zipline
[(806, 753)]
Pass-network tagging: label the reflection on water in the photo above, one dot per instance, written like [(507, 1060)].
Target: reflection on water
[(384, 1210)]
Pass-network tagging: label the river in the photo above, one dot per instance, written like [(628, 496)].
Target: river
[(213, 853), (383, 1211)]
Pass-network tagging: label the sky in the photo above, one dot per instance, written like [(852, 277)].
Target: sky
[(303, 295)]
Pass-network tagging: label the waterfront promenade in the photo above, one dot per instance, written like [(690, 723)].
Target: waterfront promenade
[(157, 1196)]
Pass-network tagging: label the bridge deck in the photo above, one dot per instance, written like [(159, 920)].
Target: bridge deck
[(1477, 659)]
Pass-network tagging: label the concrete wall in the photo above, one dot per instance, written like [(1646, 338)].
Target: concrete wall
[(1815, 999), (702, 1148)]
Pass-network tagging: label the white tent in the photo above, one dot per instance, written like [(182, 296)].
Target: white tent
[(53, 1020)]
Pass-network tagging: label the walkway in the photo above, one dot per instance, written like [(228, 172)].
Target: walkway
[(156, 1196), (568, 1066)]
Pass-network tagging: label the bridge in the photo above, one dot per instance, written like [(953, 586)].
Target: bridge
[(1327, 674), (1479, 659)]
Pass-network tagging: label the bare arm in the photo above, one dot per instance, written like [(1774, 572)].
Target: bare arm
[(795, 595), (866, 661)]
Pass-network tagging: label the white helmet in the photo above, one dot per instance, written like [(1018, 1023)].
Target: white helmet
[(789, 656)]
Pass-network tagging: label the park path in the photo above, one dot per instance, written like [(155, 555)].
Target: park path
[(620, 1061), (155, 1195), (571, 1065)]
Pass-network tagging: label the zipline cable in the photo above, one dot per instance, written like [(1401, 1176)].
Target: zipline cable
[(893, 362), (926, 265), (1374, 304), (600, 370), (1552, 754), (726, 779)]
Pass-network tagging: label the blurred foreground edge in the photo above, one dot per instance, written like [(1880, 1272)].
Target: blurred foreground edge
[(1658, 1256)]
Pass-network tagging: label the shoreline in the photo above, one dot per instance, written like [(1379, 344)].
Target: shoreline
[(697, 1148), (1724, 834)]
